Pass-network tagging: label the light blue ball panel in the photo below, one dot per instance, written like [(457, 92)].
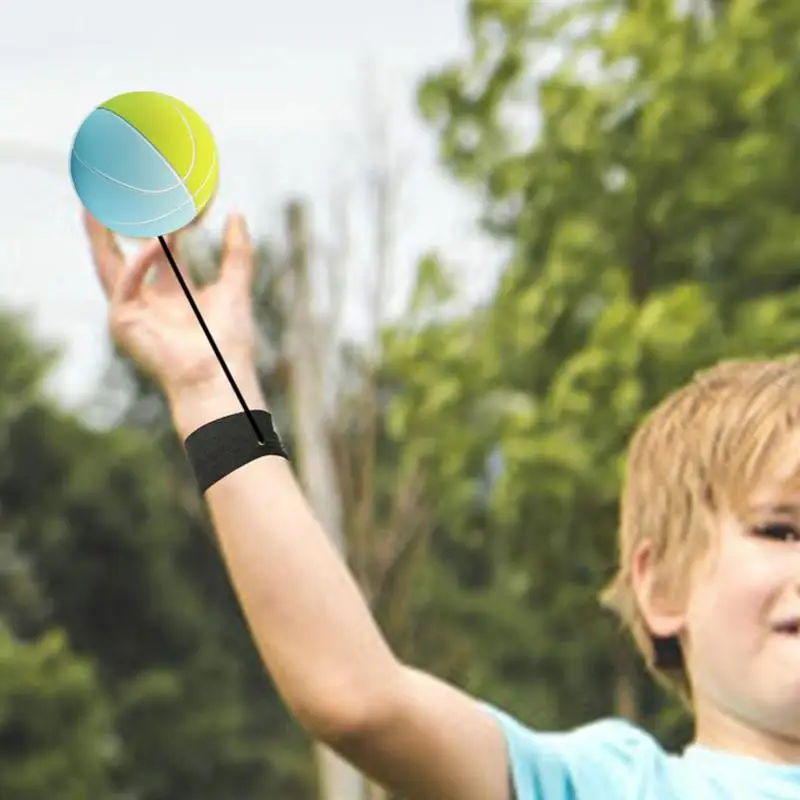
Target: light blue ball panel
[(124, 181), (108, 144)]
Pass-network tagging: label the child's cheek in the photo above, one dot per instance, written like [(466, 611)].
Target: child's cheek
[(750, 581)]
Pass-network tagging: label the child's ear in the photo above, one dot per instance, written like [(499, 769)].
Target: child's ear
[(657, 599)]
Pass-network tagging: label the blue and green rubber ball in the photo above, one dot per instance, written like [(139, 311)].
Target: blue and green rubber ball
[(144, 164)]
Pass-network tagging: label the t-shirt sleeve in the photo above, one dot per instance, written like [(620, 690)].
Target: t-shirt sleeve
[(600, 760)]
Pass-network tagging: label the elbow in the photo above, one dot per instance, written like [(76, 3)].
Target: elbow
[(343, 717)]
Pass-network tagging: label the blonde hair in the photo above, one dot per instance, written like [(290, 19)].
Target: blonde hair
[(705, 446)]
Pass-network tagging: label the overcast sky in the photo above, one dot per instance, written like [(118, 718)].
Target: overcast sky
[(280, 84)]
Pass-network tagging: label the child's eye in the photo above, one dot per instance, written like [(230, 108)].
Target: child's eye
[(783, 531)]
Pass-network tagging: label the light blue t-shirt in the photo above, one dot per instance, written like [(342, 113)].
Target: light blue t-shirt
[(614, 760)]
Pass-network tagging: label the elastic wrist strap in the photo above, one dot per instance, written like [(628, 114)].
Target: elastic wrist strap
[(222, 446)]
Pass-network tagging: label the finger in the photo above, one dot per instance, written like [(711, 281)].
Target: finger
[(129, 283), (237, 251), (106, 254)]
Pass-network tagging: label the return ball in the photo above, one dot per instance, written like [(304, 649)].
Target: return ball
[(144, 164)]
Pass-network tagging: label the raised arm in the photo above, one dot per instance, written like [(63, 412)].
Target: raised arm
[(319, 642), (406, 730)]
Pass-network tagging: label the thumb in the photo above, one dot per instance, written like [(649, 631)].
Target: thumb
[(237, 251)]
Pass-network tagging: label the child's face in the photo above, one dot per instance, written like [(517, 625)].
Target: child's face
[(742, 625)]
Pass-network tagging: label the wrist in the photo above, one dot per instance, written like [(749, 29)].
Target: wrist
[(192, 407)]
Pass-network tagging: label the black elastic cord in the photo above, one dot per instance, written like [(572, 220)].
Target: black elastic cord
[(222, 446), (250, 416)]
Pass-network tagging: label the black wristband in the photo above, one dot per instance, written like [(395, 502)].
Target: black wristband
[(222, 446)]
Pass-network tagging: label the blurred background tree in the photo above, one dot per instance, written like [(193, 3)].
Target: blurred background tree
[(651, 217)]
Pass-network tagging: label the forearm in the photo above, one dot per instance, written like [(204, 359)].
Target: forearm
[(309, 620)]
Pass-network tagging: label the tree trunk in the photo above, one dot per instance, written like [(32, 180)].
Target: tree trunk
[(312, 454)]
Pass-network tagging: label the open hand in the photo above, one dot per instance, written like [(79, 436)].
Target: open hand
[(154, 322)]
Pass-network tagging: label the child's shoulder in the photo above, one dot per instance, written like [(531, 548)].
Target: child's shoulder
[(614, 737), (599, 759), (614, 759), (610, 758)]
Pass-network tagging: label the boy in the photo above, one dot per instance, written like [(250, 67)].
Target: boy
[(709, 581)]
